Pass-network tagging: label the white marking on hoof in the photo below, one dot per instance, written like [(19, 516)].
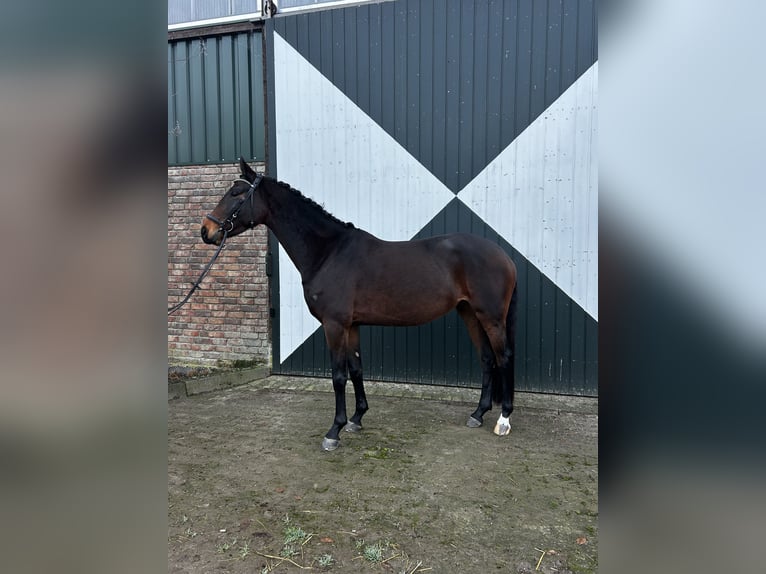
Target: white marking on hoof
[(503, 426)]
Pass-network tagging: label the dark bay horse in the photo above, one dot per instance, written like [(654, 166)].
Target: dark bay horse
[(351, 278)]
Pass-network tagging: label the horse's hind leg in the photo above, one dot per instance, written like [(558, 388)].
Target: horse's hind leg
[(487, 357), (498, 339), (355, 372)]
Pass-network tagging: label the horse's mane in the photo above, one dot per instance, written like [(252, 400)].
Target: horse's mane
[(311, 203)]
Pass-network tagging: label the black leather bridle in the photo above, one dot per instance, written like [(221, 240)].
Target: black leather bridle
[(229, 221), (235, 212)]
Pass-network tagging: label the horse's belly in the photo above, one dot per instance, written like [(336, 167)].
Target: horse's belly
[(403, 305)]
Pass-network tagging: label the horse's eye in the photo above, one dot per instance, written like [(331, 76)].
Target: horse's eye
[(237, 191)]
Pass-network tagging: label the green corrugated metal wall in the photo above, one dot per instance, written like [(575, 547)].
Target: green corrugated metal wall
[(216, 99)]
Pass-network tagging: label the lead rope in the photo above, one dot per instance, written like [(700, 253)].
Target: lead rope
[(197, 283)]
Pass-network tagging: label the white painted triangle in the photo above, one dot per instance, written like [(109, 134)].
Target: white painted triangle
[(541, 192), (333, 152)]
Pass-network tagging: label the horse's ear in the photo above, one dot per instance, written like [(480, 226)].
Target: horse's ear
[(246, 171)]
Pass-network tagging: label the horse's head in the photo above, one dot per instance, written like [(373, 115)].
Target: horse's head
[(240, 209)]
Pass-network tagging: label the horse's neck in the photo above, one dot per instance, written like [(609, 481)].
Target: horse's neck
[(305, 234)]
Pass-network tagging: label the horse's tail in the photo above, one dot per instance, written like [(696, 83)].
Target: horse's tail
[(510, 345)]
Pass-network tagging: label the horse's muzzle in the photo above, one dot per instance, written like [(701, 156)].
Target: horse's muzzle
[(212, 237)]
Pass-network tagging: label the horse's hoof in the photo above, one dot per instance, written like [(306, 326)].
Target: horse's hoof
[(352, 427), (473, 423), (503, 427), (330, 443)]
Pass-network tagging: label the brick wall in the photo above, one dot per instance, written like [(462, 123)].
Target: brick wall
[(228, 317)]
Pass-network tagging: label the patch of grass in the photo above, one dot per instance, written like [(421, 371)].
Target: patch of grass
[(379, 453), (226, 546), (325, 560), (244, 551), (294, 537), (373, 553), (294, 534)]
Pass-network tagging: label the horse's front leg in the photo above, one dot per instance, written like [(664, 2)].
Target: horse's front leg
[(355, 372), (337, 342)]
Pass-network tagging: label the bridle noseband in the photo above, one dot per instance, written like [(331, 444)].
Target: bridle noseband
[(229, 221)]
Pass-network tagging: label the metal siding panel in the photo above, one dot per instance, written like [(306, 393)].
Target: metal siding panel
[(553, 53), (228, 98), (412, 354), (361, 57), (508, 70), (465, 106), (172, 137), (568, 42), (325, 39), (290, 30), (181, 64), (577, 330), (212, 103), (522, 320), (533, 335), (563, 343), (539, 41), (220, 98), (591, 357), (351, 53), (586, 39), (400, 73), (412, 79), (452, 125), (478, 118), (523, 66), (243, 99), (388, 57), (438, 92), (338, 51), (374, 88), (548, 333), (197, 99), (257, 98), (303, 32), (314, 20), (400, 354), (493, 120)]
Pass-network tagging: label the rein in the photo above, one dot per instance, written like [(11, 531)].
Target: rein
[(197, 283), (222, 224)]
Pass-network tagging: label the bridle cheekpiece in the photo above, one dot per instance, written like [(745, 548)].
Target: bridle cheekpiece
[(229, 221)]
